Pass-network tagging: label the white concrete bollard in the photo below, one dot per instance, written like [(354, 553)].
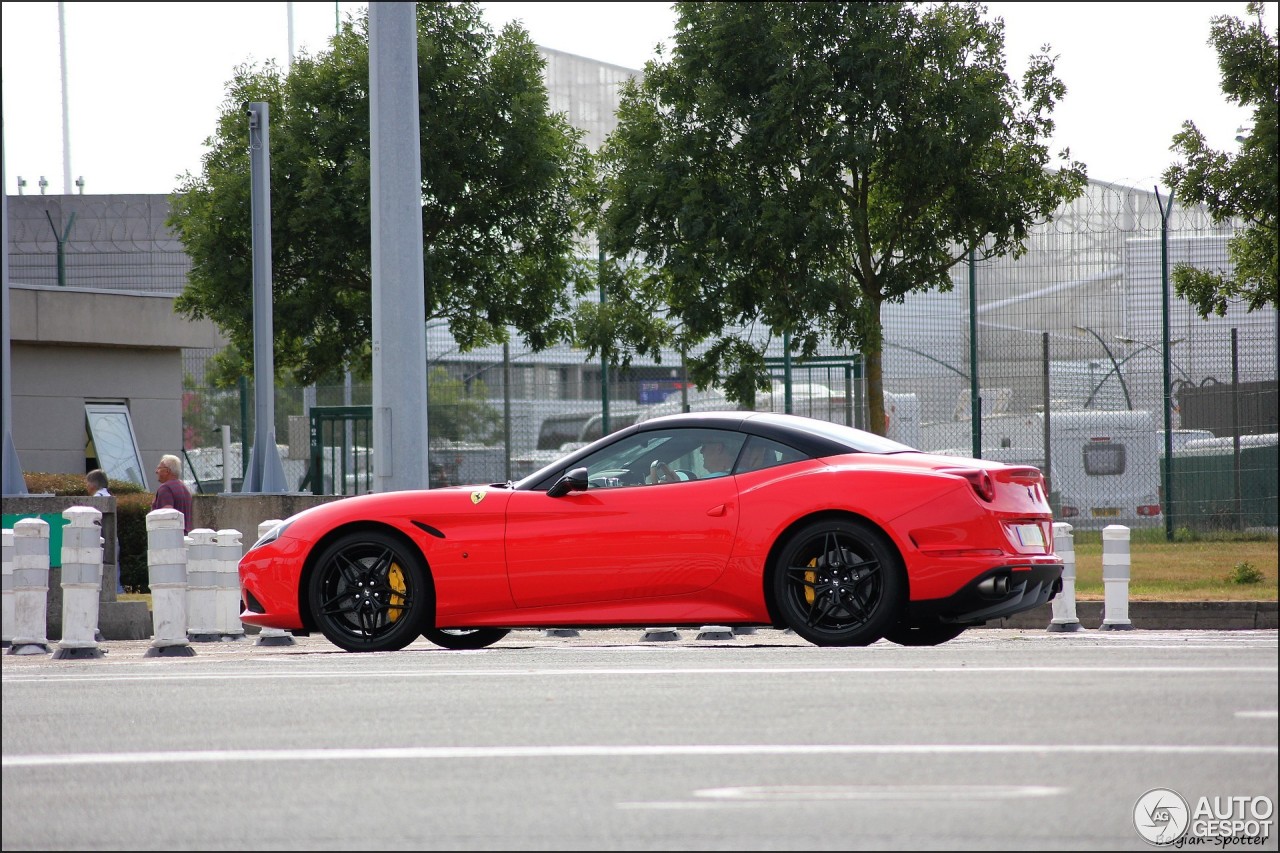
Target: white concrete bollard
[(30, 586), (202, 587), (271, 636), (1064, 603), (229, 552), (6, 603), (167, 576), (81, 583), (1115, 579)]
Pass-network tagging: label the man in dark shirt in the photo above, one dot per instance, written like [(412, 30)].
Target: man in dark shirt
[(172, 491)]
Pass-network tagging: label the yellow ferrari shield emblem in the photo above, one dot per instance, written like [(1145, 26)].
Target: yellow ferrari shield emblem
[(476, 497)]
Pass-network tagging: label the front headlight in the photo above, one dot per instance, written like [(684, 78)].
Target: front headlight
[(271, 535)]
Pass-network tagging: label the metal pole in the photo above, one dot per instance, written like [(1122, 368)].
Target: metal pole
[(244, 425), (13, 480), (1115, 368), (506, 405), (786, 372), (401, 455), (975, 397), (66, 109), (1048, 454), (1166, 471), (1235, 422), (265, 472), (604, 354)]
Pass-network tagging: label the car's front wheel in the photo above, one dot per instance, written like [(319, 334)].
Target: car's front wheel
[(369, 592), (839, 582), (923, 634), (465, 638)]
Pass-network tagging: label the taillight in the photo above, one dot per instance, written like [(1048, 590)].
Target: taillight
[(979, 478), (1069, 512), (1149, 510)]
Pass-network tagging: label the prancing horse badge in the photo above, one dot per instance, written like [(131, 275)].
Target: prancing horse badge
[(476, 497)]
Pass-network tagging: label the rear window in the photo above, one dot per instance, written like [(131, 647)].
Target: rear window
[(1104, 458)]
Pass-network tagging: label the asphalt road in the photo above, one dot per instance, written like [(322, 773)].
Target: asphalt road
[(999, 740)]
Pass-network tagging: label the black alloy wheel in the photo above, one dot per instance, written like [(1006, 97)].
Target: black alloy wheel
[(369, 593), (839, 582)]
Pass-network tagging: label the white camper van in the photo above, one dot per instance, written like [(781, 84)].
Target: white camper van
[(1104, 465)]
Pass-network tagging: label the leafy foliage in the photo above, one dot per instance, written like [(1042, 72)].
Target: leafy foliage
[(795, 166), (1240, 185), (459, 411), (1245, 573), (133, 503), (500, 179)]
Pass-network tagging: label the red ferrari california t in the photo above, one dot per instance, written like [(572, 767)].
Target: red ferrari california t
[(728, 518)]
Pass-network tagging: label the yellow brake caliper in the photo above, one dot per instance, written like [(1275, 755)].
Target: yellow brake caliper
[(395, 579), (810, 578)]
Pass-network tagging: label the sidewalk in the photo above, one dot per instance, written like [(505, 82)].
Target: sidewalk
[(131, 620)]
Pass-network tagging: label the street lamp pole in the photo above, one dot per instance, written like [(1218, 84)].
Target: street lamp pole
[(1115, 368), (1143, 345)]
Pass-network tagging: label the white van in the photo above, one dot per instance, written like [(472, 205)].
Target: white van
[(1105, 464)]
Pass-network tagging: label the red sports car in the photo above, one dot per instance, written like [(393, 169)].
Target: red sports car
[(726, 518)]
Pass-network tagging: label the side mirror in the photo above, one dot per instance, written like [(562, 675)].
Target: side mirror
[(574, 481)]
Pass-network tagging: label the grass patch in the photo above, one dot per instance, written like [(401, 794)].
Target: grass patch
[(1219, 566)]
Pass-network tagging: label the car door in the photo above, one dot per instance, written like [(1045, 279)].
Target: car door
[(621, 539)]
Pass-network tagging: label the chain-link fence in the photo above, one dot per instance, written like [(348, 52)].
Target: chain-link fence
[(1060, 358)]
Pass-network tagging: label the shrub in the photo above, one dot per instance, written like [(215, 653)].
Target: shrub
[(1245, 573), (133, 502)]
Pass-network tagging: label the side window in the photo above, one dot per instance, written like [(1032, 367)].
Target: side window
[(626, 463), (665, 456), (761, 453), (716, 452)]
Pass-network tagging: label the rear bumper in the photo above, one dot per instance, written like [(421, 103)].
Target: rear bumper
[(994, 594)]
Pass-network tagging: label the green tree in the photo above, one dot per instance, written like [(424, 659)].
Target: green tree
[(499, 178), (795, 166), (1241, 185), (460, 411)]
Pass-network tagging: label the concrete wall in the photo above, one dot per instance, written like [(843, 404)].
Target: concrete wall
[(246, 512), (72, 346), (131, 620)]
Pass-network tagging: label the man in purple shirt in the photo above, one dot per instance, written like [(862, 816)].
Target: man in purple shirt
[(172, 491)]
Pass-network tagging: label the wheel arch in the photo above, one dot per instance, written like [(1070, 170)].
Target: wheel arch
[(308, 567), (784, 538)]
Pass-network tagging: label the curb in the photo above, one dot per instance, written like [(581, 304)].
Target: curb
[(1161, 615)]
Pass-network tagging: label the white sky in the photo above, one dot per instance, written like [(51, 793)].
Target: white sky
[(145, 80)]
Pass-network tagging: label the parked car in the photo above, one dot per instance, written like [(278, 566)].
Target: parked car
[(841, 535)]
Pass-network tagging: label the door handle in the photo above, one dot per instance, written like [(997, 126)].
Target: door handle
[(716, 511)]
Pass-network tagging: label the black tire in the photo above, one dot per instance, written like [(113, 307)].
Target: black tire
[(839, 582), (926, 634), (369, 593), (465, 638)]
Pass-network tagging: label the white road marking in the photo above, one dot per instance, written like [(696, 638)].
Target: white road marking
[(44, 677), (604, 751)]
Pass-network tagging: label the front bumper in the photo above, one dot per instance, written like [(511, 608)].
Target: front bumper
[(994, 594)]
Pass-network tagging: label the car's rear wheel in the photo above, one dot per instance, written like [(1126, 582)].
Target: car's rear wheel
[(465, 638), (924, 634), (839, 582), (369, 593)]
